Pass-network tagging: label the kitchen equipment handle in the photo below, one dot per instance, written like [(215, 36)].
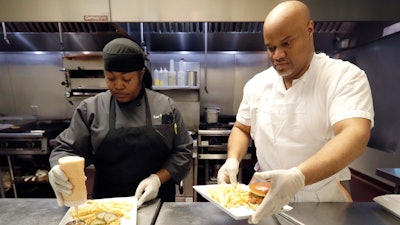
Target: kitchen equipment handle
[(288, 218), (181, 187)]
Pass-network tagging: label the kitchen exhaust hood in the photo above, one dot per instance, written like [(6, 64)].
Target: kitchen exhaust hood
[(174, 36), (75, 25)]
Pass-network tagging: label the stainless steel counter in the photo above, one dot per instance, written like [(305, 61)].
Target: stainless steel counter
[(37, 211), (196, 213), (365, 213), (391, 174), (30, 211), (204, 213), (46, 211), (147, 214)]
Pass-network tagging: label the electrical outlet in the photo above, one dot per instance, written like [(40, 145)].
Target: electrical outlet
[(34, 109)]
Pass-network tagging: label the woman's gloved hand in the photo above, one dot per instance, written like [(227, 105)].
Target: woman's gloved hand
[(60, 184), (228, 172), (147, 189), (284, 185)]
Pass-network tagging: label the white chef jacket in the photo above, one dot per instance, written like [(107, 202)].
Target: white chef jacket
[(290, 125)]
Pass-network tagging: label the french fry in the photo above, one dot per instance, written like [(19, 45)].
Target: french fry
[(230, 196), (89, 211)]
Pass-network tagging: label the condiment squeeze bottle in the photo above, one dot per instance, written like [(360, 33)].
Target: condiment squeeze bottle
[(73, 167)]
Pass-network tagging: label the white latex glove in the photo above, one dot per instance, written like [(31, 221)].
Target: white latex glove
[(228, 172), (60, 184), (147, 189), (284, 185)]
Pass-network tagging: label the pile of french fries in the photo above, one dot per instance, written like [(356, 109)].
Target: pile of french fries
[(230, 196), (93, 208)]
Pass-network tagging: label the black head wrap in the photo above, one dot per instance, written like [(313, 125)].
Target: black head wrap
[(123, 55)]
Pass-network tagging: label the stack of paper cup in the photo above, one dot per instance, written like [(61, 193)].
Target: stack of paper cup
[(73, 167)]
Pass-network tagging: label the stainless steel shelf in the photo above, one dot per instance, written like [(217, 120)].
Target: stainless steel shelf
[(220, 156), (216, 132)]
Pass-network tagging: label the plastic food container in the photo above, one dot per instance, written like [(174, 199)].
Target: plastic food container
[(192, 78), (211, 114)]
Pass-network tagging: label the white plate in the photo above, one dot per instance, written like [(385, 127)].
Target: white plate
[(236, 213), (133, 214), (391, 202)]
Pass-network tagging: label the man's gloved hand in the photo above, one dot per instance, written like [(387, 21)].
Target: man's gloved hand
[(60, 184), (284, 185), (147, 189), (228, 172)]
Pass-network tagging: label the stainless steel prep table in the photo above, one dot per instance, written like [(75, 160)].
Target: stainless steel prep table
[(391, 174), (196, 213), (39, 211), (204, 213), (356, 213)]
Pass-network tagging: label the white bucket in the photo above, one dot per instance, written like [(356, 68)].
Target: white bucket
[(211, 114)]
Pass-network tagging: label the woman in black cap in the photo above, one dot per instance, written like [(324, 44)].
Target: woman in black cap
[(135, 137)]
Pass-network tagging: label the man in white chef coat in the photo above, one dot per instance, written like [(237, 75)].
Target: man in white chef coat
[(309, 116)]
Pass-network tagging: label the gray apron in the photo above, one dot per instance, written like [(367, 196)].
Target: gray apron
[(128, 155)]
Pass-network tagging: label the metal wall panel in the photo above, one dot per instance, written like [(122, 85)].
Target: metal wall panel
[(33, 80), (7, 106), (29, 79), (246, 66)]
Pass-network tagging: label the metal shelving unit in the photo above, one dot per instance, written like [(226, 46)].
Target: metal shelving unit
[(212, 148)]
